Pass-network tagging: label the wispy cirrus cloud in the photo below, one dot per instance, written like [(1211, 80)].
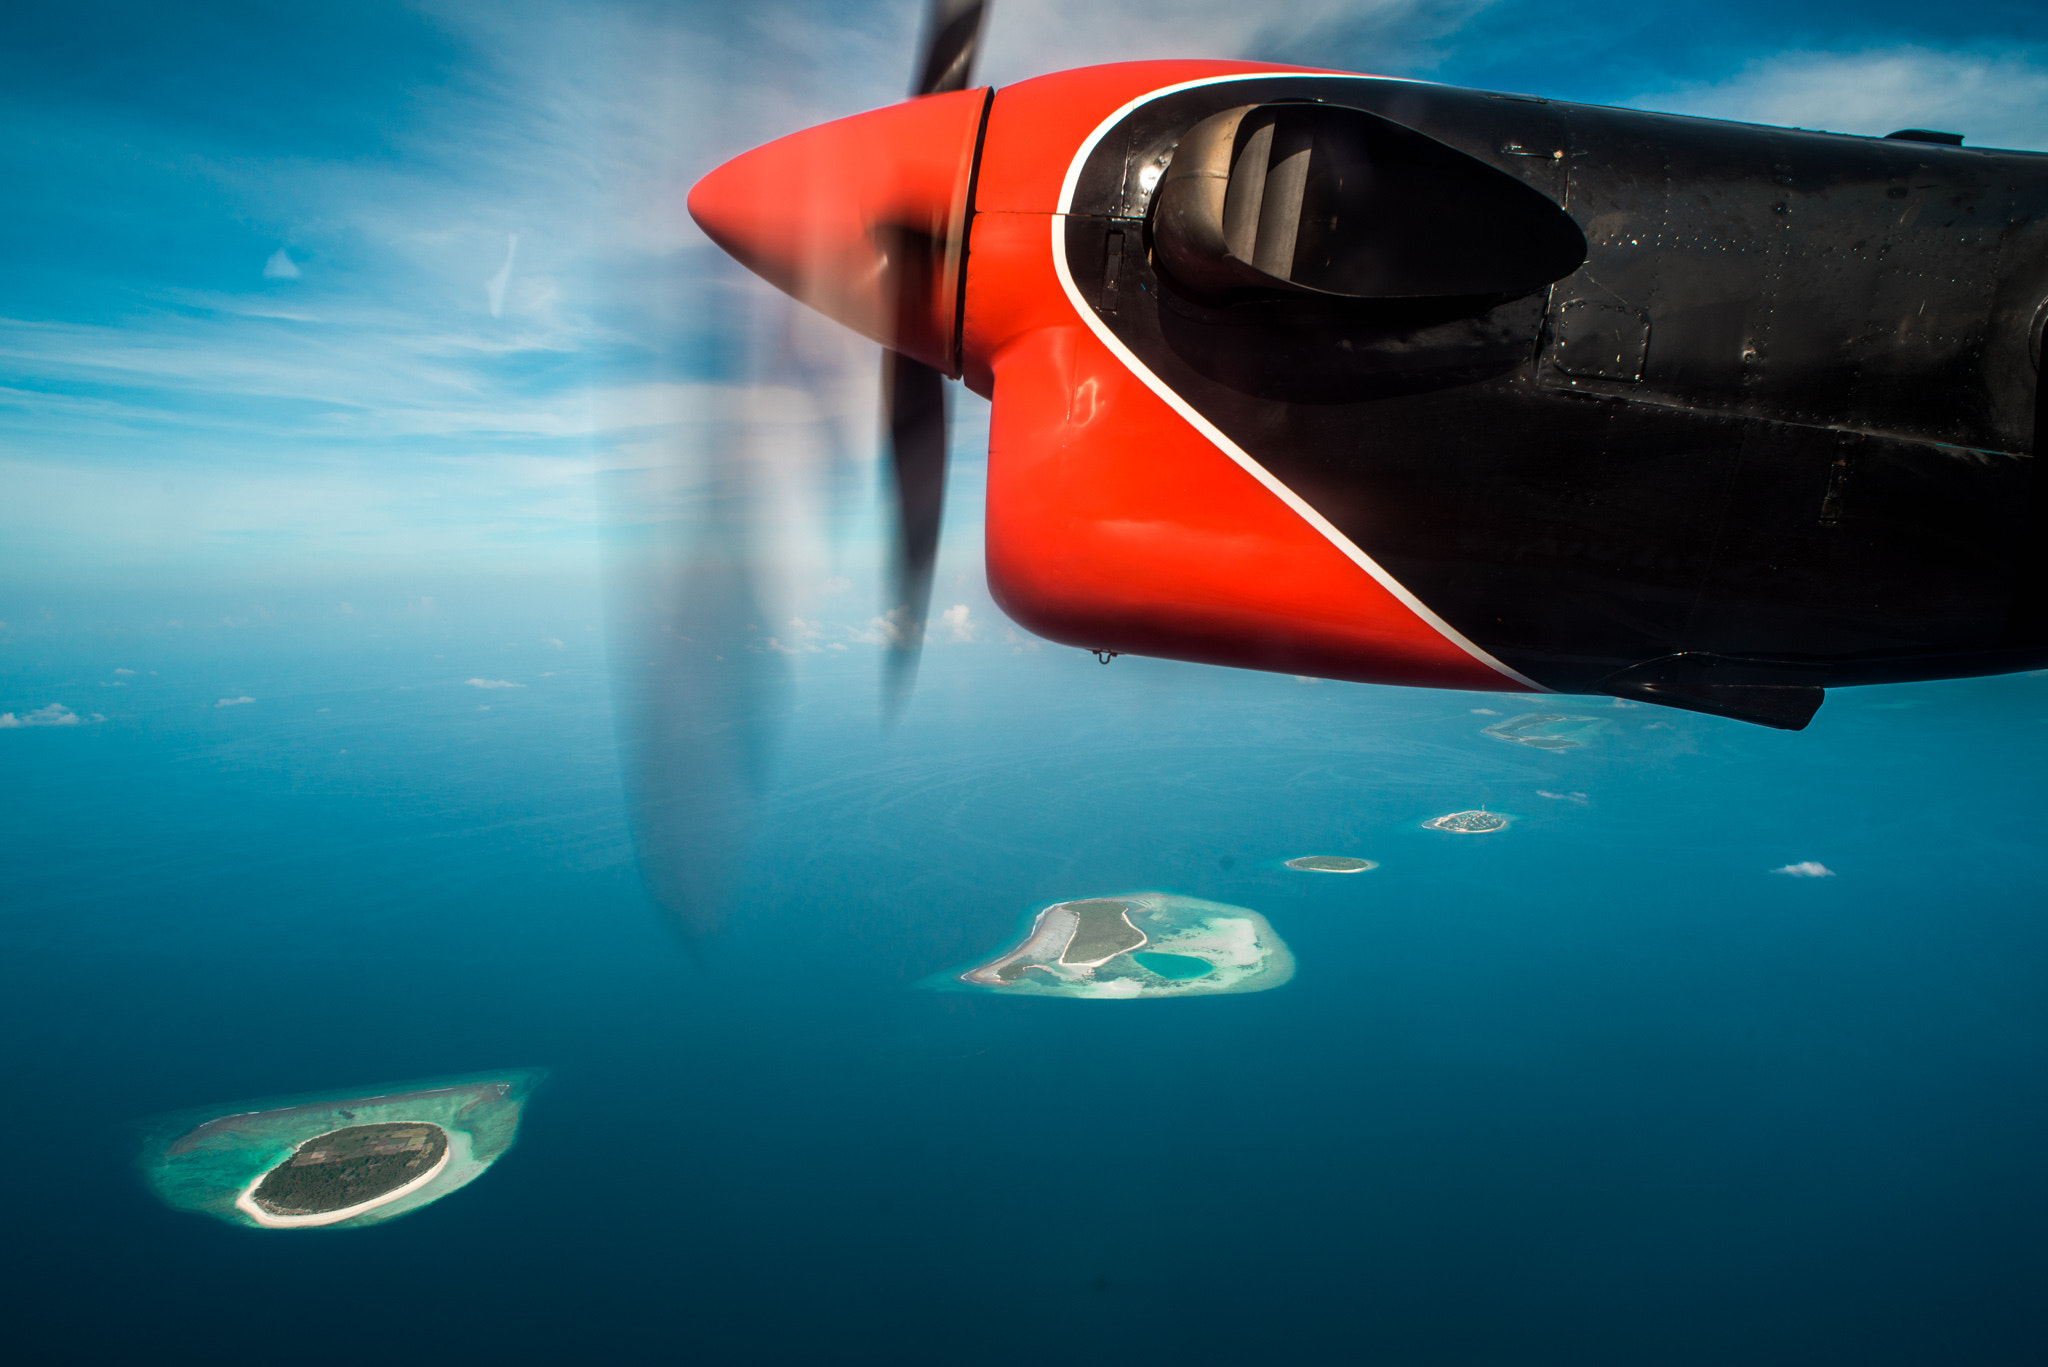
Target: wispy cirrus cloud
[(1995, 97), (1026, 39), (549, 164)]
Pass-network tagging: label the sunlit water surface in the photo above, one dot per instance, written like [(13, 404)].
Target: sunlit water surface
[(1597, 1088)]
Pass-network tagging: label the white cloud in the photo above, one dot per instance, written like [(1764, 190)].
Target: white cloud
[(803, 638), (1030, 39), (234, 702), (1993, 98), (123, 671), (1484, 712), (890, 629), (552, 642), (494, 288), (958, 627), (492, 683), (1807, 868), (1019, 644), (1579, 798), (55, 714), (1618, 702), (584, 127)]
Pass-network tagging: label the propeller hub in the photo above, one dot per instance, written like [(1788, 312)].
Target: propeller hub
[(863, 219)]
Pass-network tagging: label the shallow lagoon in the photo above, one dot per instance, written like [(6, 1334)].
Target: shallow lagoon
[(207, 1161), (1547, 730), (1141, 944)]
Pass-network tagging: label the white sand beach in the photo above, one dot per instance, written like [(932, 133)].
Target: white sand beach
[(246, 1202)]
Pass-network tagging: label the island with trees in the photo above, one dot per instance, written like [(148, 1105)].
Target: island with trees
[(1136, 945), (1480, 822), (337, 1161), (351, 1169)]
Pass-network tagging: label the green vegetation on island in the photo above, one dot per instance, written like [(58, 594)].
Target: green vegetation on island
[(1331, 863), (336, 1161), (1468, 823), (1142, 944), (345, 1168), (1104, 930)]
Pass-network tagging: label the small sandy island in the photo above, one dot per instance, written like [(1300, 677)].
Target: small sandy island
[(1331, 863), (1140, 944)]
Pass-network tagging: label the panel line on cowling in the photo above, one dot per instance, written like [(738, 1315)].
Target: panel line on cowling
[(1209, 430)]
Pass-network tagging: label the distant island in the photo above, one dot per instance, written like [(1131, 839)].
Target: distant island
[(1546, 730), (1331, 863), (1142, 944), (1468, 823), (344, 1173), (337, 1161)]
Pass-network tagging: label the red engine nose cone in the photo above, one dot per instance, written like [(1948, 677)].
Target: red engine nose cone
[(864, 219)]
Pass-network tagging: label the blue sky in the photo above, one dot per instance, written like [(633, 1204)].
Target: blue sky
[(319, 290)]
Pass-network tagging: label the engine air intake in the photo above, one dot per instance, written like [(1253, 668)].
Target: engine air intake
[(1323, 199)]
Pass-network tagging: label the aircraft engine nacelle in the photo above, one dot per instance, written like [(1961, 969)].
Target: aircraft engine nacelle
[(1376, 380), (1119, 519)]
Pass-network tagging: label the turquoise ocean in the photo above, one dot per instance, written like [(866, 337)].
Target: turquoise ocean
[(1599, 1088)]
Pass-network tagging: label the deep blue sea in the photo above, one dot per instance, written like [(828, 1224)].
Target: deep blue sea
[(1601, 1088)]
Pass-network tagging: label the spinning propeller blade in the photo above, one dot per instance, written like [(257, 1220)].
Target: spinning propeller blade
[(870, 235), (914, 393), (952, 35)]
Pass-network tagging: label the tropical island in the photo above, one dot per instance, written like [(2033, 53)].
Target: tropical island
[(1546, 730), (1331, 863), (1468, 823), (337, 1161), (1141, 944), (343, 1173)]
